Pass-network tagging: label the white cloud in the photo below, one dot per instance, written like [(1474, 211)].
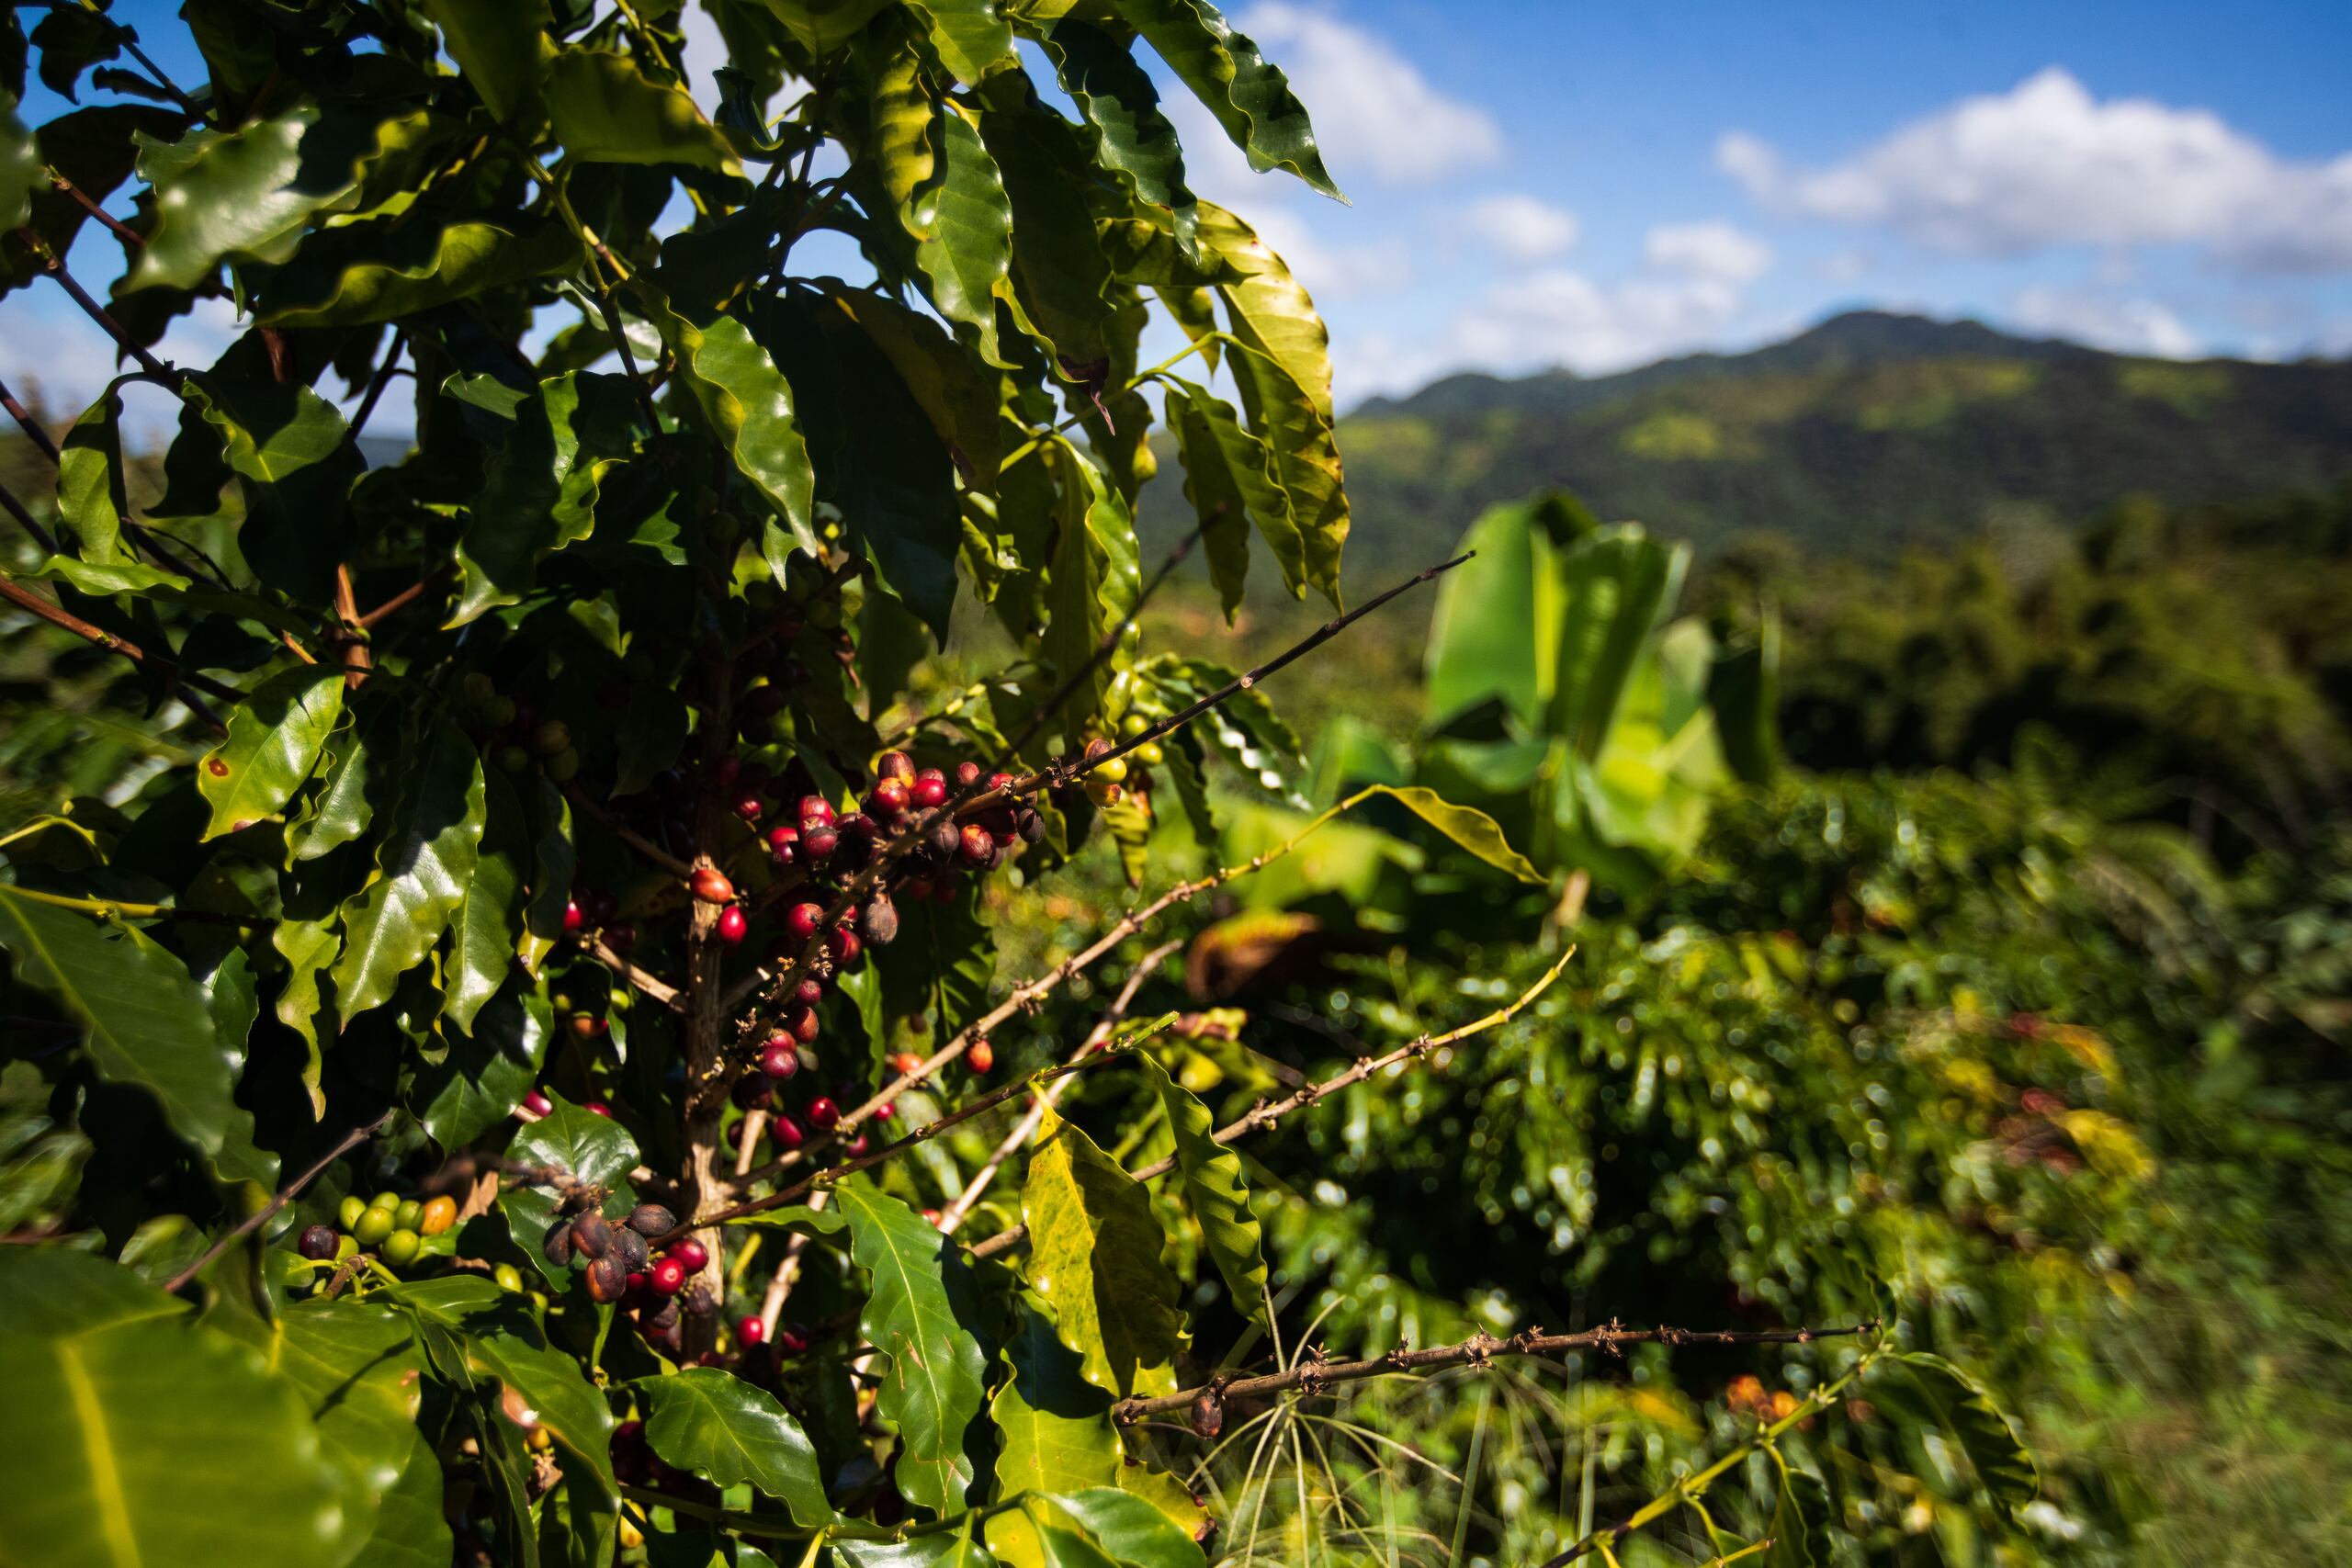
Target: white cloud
[(1333, 271), (1845, 266), (49, 348), (1374, 113), (1713, 249), (2046, 163), (2125, 326), (1522, 228), (1558, 317)]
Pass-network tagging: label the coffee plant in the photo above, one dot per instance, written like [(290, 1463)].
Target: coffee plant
[(515, 1053)]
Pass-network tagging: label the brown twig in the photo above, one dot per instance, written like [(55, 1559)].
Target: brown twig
[(286, 1195), (34, 431), (376, 386), (55, 266), (952, 1216), (25, 598), (408, 595), (1312, 1375), (652, 985), (1266, 1115), (357, 662), (131, 238)]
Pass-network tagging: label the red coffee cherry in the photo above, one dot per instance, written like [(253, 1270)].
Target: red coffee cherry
[(782, 842), (844, 945), (906, 1064), (888, 799), (691, 1255), (710, 885), (894, 765), (667, 1277), (856, 1146), (778, 1059), (808, 993), (929, 789), (538, 1104), (824, 1114), (801, 1024), (884, 1111), (573, 919), (966, 774), (815, 809), (977, 844), (318, 1243), (786, 1133), (621, 939), (818, 841), (791, 1338), (981, 1055), (732, 924), (598, 1107), (803, 919), (753, 1091), (750, 807), (749, 1331)]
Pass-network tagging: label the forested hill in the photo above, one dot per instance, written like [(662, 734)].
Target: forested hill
[(1867, 433)]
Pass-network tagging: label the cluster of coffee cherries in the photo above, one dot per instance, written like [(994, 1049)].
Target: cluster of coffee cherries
[(395, 1228), (517, 738), (620, 1266)]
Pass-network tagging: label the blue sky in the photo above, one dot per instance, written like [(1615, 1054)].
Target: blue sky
[(1593, 185)]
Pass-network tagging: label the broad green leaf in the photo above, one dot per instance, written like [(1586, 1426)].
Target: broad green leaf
[(1246, 729), (1251, 100), (247, 194), (425, 863), (272, 747), (1127, 1529), (956, 394), (355, 776), (47, 1291), (388, 267), (487, 932), (1744, 691), (1134, 139), (149, 1025), (1804, 1521), (725, 1430), (499, 46), (824, 25), (20, 167), (484, 1074), (957, 1549), (1229, 477), (931, 1388), (568, 1140), (1095, 574), (604, 110), (1473, 830), (287, 446), (1967, 1410), (1615, 589), (1062, 279), (1094, 1256), (1216, 1190), (1484, 640), (540, 492), (125, 1439), (962, 227), (552, 861), (308, 948), (748, 405), (1282, 365), (970, 36), (90, 501), (875, 455), (357, 1369)]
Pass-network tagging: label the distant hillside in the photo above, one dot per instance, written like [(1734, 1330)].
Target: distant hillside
[(1870, 433)]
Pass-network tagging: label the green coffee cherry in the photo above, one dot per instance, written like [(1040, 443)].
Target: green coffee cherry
[(352, 1207), (401, 1246), (373, 1226), (387, 1198), (509, 1278), (512, 759), (564, 765), (553, 735), (409, 1216)]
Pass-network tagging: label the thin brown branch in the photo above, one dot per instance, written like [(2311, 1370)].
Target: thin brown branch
[(356, 661), (1314, 1373), (376, 385), (55, 266), (1266, 1115), (700, 1180), (408, 595), (131, 238), (34, 429), (652, 985), (1102, 651), (952, 1216), (286, 1195), (634, 840), (25, 598), (33, 530)]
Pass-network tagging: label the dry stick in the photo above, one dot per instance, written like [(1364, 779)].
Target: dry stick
[(25, 598), (1266, 1115), (1062, 772), (628, 836), (1314, 1372), (131, 238), (39, 535), (55, 266), (747, 1140), (408, 595), (1027, 996), (286, 1195), (1690, 1487), (653, 986), (961, 1204), (356, 661), (33, 429)]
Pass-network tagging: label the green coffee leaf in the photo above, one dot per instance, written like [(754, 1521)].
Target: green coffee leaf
[(378, 270), (424, 864), (725, 1430), (1095, 575), (272, 746), (970, 36), (497, 44), (1966, 1409), (566, 1142), (1804, 1521), (149, 1025), (1473, 830), (1214, 1188), (1252, 101), (90, 501), (20, 167), (1094, 1259), (1134, 139), (540, 495), (931, 1388), (604, 110), (749, 407), (287, 447), (1231, 479), (488, 929)]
